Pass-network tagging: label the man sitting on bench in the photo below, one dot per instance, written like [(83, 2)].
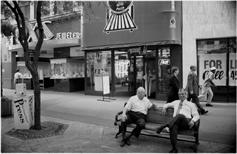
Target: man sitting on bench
[(135, 111), (184, 117)]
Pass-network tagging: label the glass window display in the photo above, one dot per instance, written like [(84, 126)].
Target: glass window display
[(67, 68), (98, 64)]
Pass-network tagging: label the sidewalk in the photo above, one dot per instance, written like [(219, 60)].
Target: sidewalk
[(91, 127), (88, 138)]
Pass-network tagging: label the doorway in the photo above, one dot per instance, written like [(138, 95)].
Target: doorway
[(142, 72)]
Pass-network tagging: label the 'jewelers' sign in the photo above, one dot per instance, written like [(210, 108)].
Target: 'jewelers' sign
[(68, 35)]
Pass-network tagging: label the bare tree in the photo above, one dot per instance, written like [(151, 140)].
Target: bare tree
[(32, 65)]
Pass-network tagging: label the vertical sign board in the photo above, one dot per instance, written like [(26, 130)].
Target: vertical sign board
[(23, 112), (232, 69), (106, 87), (206, 61), (102, 84), (98, 83)]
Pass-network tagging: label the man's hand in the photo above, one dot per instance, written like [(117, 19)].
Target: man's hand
[(124, 117), (163, 111), (191, 92), (191, 124)]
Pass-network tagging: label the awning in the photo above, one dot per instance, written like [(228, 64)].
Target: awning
[(114, 46), (49, 44)]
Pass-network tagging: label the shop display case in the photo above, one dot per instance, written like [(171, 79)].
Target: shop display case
[(66, 68), (68, 74)]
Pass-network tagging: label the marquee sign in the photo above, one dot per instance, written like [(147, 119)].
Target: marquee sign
[(119, 16)]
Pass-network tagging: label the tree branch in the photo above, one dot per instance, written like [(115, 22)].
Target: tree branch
[(23, 31), (41, 31), (15, 13)]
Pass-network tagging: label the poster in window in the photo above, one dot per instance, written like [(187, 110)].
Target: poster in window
[(206, 61), (232, 69)]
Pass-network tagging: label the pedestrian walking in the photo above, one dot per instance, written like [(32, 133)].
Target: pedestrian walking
[(207, 87), (174, 85), (193, 89)]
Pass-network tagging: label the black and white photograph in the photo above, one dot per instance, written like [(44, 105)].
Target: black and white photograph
[(118, 76)]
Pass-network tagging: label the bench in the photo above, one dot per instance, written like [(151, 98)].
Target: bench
[(156, 118)]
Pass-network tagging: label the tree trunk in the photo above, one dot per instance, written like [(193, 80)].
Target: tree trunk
[(37, 99)]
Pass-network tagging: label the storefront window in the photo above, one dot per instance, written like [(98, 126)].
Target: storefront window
[(163, 69), (121, 71), (50, 8), (45, 9), (66, 68), (213, 52), (98, 65), (232, 63)]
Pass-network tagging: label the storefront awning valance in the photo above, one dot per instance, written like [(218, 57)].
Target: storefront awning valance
[(166, 42)]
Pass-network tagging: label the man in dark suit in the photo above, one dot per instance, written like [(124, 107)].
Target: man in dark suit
[(193, 89), (174, 85)]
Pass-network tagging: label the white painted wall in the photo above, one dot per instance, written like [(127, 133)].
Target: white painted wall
[(205, 19)]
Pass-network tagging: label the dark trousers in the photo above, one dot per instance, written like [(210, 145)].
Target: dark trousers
[(179, 122), (134, 117), (195, 100)]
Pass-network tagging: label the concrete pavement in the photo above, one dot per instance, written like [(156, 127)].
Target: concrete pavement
[(91, 127)]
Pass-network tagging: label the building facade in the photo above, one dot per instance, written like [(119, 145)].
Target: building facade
[(134, 43), (115, 47), (61, 61), (209, 39)]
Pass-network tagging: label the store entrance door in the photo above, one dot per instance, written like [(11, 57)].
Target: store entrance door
[(136, 73), (150, 76)]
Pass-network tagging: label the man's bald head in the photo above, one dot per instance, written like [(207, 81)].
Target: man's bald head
[(141, 93)]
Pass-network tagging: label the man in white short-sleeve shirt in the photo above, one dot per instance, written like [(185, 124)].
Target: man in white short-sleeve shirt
[(135, 111)]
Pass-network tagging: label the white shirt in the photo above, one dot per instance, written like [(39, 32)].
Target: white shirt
[(17, 75), (137, 105), (189, 109)]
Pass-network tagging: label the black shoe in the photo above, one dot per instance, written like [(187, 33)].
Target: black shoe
[(127, 141), (204, 112), (210, 105), (122, 144), (159, 130), (173, 151)]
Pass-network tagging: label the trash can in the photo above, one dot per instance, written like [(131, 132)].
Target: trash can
[(6, 107), (23, 109)]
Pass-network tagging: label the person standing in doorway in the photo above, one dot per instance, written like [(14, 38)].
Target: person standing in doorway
[(193, 89), (17, 77), (174, 85), (206, 87)]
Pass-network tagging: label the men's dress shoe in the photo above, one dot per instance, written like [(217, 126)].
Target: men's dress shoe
[(127, 141), (159, 130), (173, 151), (122, 144), (204, 112), (209, 105)]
